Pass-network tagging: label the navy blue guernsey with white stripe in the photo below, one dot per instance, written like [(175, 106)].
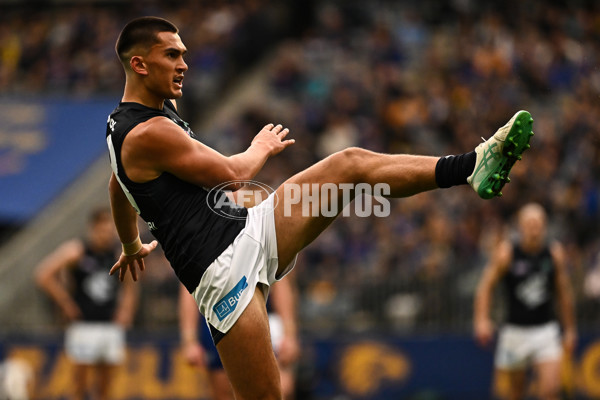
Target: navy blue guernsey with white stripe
[(530, 286), (94, 291), (177, 212)]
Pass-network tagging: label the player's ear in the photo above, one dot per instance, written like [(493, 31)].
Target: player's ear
[(137, 65)]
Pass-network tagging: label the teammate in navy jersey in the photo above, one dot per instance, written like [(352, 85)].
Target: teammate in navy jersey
[(535, 282), (97, 307), (228, 256)]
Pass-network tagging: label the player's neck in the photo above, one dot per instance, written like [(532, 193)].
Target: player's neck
[(142, 96), (532, 246)]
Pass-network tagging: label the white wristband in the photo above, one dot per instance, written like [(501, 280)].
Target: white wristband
[(131, 249)]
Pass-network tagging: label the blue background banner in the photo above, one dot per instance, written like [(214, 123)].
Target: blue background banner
[(44, 145)]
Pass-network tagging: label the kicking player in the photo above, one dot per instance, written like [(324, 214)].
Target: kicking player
[(229, 256)]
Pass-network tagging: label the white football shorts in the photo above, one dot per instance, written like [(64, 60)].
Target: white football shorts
[(95, 342), (228, 284), (522, 346)]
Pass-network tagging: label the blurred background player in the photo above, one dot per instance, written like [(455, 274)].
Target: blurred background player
[(97, 307), (534, 277), (199, 349)]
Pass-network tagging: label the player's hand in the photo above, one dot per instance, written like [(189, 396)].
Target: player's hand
[(273, 138), (129, 262), (484, 332), (289, 350), (71, 311), (193, 353)]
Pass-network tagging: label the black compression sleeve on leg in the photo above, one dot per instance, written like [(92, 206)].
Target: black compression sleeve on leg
[(454, 170)]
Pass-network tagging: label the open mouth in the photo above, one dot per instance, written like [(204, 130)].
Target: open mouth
[(178, 81)]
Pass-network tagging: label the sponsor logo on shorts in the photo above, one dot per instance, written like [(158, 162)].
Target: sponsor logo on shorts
[(306, 199), (228, 304)]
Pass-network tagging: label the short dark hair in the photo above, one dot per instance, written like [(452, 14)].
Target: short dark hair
[(99, 214), (141, 31)]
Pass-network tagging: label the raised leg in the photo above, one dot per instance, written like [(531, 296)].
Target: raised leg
[(296, 226)]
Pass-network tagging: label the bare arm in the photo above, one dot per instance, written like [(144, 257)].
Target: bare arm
[(159, 145), (283, 297), (188, 316), (565, 298), (496, 268), (128, 302), (125, 219), (124, 215), (47, 276), (188, 328)]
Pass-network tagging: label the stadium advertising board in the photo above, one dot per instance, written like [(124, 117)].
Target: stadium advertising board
[(448, 367), (44, 145)]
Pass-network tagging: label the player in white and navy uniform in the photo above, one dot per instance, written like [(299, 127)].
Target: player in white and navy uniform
[(97, 307), (534, 281)]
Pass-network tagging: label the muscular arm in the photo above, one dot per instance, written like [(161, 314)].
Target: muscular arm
[(123, 213), (47, 276), (159, 145), (564, 297), (495, 269), (128, 302)]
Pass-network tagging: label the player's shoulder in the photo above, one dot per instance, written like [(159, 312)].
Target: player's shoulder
[(156, 126), (71, 250), (506, 246), (156, 137)]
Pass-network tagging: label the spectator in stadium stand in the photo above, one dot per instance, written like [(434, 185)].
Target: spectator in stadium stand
[(535, 280), (228, 259), (97, 307)]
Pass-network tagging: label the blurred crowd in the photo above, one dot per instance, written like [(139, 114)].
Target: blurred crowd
[(392, 76), (431, 79), (67, 48)]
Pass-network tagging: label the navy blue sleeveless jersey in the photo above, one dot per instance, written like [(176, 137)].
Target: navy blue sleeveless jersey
[(95, 292), (179, 214), (530, 288)]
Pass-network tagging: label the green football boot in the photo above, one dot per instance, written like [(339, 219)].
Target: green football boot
[(497, 155)]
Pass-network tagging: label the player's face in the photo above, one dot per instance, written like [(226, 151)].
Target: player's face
[(166, 66), (533, 226), (103, 234)]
